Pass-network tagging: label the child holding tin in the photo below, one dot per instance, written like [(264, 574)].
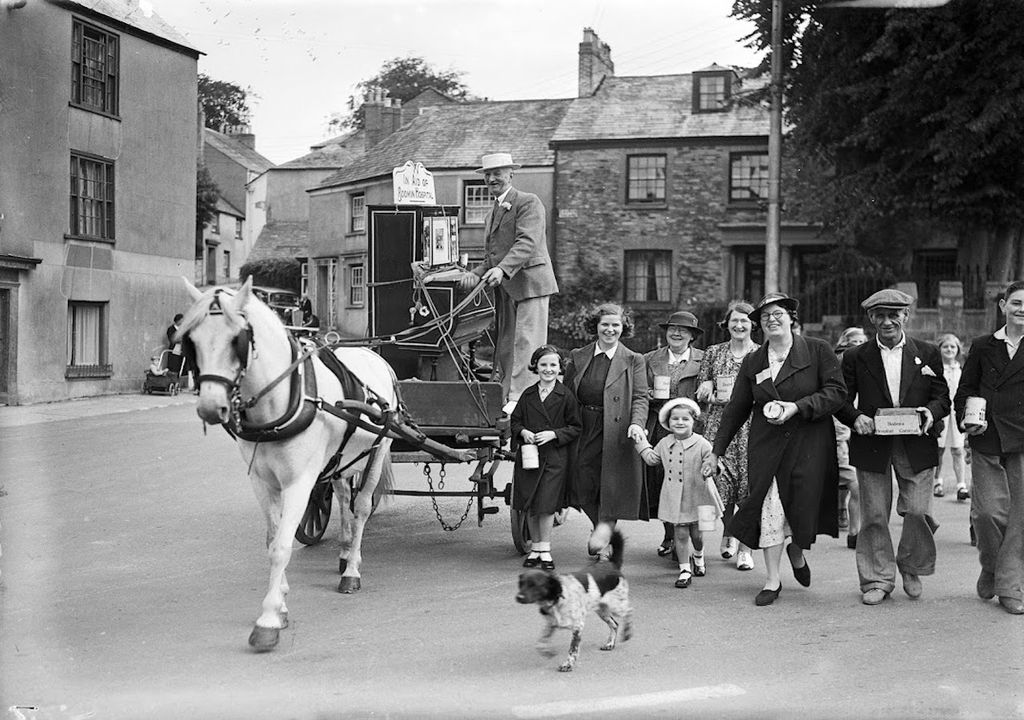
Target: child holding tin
[(545, 422), (685, 490)]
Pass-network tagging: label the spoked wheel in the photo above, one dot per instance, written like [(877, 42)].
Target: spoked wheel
[(520, 531), (317, 515)]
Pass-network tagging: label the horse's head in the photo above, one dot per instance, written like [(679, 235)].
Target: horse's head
[(217, 339)]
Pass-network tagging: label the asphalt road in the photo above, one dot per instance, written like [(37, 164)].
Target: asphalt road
[(133, 568)]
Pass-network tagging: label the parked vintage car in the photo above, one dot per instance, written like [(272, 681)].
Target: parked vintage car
[(283, 302)]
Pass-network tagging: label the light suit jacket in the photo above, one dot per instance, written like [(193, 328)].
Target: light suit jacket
[(515, 240)]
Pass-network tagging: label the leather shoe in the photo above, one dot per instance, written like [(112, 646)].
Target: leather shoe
[(767, 597), (911, 585), (547, 565), (531, 562), (962, 494), (683, 581), (986, 585), (874, 596), (1014, 606), (665, 548), (802, 574)]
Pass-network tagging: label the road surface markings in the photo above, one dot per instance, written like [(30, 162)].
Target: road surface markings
[(626, 702)]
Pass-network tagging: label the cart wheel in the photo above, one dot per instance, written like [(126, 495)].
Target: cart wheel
[(317, 515), (520, 531)]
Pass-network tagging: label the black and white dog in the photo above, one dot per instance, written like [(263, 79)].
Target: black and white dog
[(565, 601)]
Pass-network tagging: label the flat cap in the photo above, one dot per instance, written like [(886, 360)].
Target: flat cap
[(889, 298)]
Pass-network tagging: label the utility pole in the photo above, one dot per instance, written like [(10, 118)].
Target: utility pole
[(774, 224)]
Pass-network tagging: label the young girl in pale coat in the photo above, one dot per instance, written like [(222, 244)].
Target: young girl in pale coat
[(682, 454)]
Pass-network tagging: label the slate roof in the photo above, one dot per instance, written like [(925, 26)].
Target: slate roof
[(223, 206), (130, 12), (281, 239), (455, 136), (658, 106), (237, 151), (334, 153)]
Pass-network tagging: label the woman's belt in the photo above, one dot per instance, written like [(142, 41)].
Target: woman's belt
[(596, 408)]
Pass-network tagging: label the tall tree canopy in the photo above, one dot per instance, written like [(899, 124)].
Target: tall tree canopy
[(920, 112), (401, 79), (223, 103)]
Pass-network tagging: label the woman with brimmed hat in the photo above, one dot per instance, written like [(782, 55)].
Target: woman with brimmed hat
[(718, 370), (789, 388), (671, 373)]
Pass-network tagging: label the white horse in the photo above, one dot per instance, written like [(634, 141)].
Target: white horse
[(242, 354)]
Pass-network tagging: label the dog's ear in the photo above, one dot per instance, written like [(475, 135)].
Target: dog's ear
[(552, 588)]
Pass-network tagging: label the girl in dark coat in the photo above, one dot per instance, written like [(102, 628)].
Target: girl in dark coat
[(546, 417), (789, 387)]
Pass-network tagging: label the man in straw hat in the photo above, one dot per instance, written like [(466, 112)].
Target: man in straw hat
[(516, 264), (894, 371)]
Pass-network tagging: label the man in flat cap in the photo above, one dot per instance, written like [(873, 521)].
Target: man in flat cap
[(894, 371), (516, 264)]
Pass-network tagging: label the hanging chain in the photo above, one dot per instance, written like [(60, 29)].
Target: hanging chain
[(433, 499)]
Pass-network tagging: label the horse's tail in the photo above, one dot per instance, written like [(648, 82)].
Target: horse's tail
[(617, 544), (386, 482)]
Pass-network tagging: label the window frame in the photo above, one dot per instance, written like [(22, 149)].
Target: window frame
[(352, 271), (485, 206), (648, 201), (101, 367), (699, 94), (105, 205), (357, 221), (106, 79), (653, 255), (733, 186)]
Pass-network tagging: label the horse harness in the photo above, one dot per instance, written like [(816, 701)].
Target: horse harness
[(304, 401)]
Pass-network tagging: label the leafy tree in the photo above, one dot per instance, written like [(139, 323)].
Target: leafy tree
[(207, 193), (224, 103), (401, 79), (284, 273), (919, 113)]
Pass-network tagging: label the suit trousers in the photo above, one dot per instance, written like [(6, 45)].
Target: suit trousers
[(522, 327), (997, 513), (876, 562)]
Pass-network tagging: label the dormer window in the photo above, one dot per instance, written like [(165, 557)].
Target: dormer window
[(712, 88)]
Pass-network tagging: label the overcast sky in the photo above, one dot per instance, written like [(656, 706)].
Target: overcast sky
[(303, 58)]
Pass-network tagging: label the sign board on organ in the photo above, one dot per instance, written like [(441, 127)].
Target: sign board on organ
[(413, 184)]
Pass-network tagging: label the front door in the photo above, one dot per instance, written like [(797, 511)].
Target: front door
[(5, 342)]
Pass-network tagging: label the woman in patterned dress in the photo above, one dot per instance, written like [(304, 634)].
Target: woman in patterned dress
[(718, 370)]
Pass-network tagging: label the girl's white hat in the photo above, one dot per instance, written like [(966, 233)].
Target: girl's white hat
[(674, 403)]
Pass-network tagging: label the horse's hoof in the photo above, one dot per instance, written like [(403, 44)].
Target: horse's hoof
[(348, 584), (342, 566), (263, 639)]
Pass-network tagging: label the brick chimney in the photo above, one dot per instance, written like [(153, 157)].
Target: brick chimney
[(595, 62), (241, 133), (383, 115)]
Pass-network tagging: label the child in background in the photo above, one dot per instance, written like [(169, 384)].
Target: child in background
[(682, 454), (547, 417), (154, 367), (952, 351)]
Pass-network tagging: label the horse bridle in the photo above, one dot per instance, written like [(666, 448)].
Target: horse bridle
[(242, 344)]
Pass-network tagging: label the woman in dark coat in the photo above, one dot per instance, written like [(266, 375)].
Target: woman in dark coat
[(789, 387), (680, 363), (610, 383), (546, 416)]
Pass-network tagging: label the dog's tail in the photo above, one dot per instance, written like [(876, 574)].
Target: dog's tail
[(617, 543)]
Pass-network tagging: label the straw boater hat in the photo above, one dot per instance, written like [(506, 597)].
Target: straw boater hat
[(497, 160), (776, 298), (674, 403), (682, 319)]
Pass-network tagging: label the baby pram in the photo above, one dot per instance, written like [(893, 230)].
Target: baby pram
[(170, 381)]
